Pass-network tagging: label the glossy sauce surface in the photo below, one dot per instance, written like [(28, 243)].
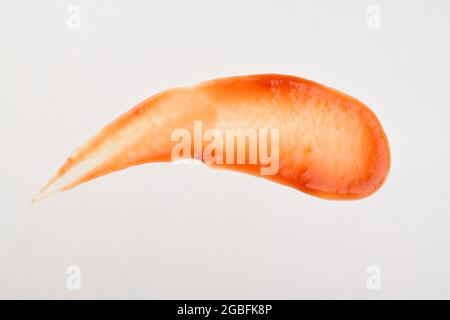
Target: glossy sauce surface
[(330, 145)]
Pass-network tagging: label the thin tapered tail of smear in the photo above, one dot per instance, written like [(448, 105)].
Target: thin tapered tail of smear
[(76, 168), (140, 135), (99, 153), (73, 171), (47, 190)]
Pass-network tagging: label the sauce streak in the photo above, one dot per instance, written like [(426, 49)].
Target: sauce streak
[(330, 145)]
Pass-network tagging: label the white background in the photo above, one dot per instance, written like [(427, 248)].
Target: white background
[(185, 231)]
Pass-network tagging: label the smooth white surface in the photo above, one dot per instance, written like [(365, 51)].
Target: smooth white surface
[(185, 231)]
